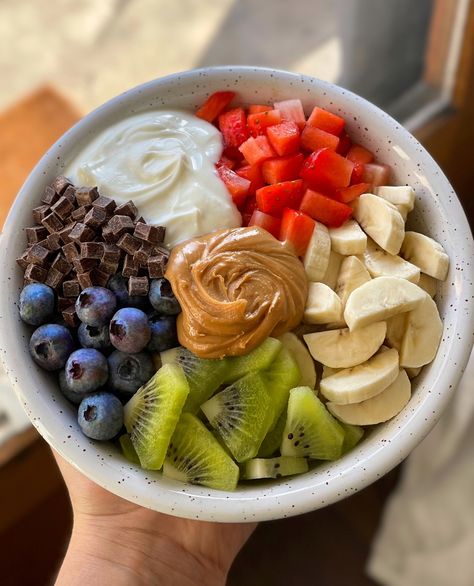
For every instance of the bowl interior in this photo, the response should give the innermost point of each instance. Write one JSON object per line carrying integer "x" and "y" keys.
{"x": 437, "y": 213}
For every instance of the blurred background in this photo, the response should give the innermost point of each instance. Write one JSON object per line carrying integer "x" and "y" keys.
{"x": 59, "y": 59}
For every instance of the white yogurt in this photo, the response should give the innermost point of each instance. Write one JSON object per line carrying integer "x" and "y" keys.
{"x": 164, "y": 162}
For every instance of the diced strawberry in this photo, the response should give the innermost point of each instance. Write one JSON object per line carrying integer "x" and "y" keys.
{"x": 248, "y": 209}
{"x": 232, "y": 152}
{"x": 344, "y": 145}
{"x": 325, "y": 209}
{"x": 267, "y": 222}
{"x": 348, "y": 194}
{"x": 296, "y": 230}
{"x": 282, "y": 169}
{"x": 257, "y": 123}
{"x": 226, "y": 162}
{"x": 273, "y": 198}
{"x": 326, "y": 170}
{"x": 313, "y": 139}
{"x": 237, "y": 186}
{"x": 327, "y": 121}
{"x": 357, "y": 173}
{"x": 215, "y": 104}
{"x": 258, "y": 108}
{"x": 292, "y": 110}
{"x": 233, "y": 125}
{"x": 376, "y": 174}
{"x": 254, "y": 174}
{"x": 359, "y": 154}
{"x": 256, "y": 150}
{"x": 284, "y": 138}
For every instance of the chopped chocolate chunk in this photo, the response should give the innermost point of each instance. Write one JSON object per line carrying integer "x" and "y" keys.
{"x": 95, "y": 217}
{"x": 141, "y": 219}
{"x": 138, "y": 286}
{"x": 63, "y": 303}
{"x": 70, "y": 194}
{"x": 127, "y": 209}
{"x": 162, "y": 250}
{"x": 156, "y": 266}
{"x": 86, "y": 195}
{"x": 80, "y": 213}
{"x": 36, "y": 234}
{"x": 71, "y": 288}
{"x": 35, "y": 274}
{"x": 65, "y": 232}
{"x": 120, "y": 225}
{"x": 99, "y": 278}
{"x": 49, "y": 196}
{"x": 84, "y": 265}
{"x": 108, "y": 236}
{"x": 105, "y": 203}
{"x": 81, "y": 233}
{"x": 60, "y": 184}
{"x": 143, "y": 253}
{"x": 62, "y": 208}
{"x": 153, "y": 234}
{"x": 40, "y": 212}
{"x": 54, "y": 278}
{"x": 52, "y": 223}
{"x": 128, "y": 243}
{"x": 38, "y": 255}
{"x": 70, "y": 251}
{"x": 61, "y": 264}
{"x": 54, "y": 241}
{"x": 92, "y": 250}
{"x": 44, "y": 243}
{"x": 112, "y": 253}
{"x": 22, "y": 260}
{"x": 130, "y": 267}
{"x": 84, "y": 280}
{"x": 109, "y": 267}
{"x": 70, "y": 316}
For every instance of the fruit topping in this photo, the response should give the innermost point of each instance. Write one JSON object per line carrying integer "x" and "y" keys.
{"x": 100, "y": 416}
{"x": 50, "y": 346}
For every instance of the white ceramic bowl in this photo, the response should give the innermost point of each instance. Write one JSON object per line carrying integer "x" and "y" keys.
{"x": 438, "y": 213}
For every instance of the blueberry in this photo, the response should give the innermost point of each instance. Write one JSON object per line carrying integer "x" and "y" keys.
{"x": 128, "y": 372}
{"x": 100, "y": 416}
{"x": 162, "y": 298}
{"x": 36, "y": 304}
{"x": 118, "y": 285}
{"x": 129, "y": 330}
{"x": 50, "y": 346}
{"x": 163, "y": 333}
{"x": 70, "y": 395}
{"x": 94, "y": 336}
{"x": 86, "y": 370}
{"x": 95, "y": 306}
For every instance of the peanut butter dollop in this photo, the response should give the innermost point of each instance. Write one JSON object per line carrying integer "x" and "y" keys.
{"x": 236, "y": 287}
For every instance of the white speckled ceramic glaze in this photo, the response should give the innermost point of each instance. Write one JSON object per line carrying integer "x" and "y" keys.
{"x": 438, "y": 213}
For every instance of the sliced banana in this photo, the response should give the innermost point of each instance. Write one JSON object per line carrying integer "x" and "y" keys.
{"x": 380, "y": 220}
{"x": 425, "y": 253}
{"x": 353, "y": 385}
{"x": 303, "y": 358}
{"x": 348, "y": 239}
{"x": 343, "y": 348}
{"x": 401, "y": 196}
{"x": 352, "y": 274}
{"x": 428, "y": 284}
{"x": 423, "y": 332}
{"x": 328, "y": 371}
{"x": 379, "y": 299}
{"x": 322, "y": 305}
{"x": 332, "y": 271}
{"x": 380, "y": 263}
{"x": 316, "y": 258}
{"x": 396, "y": 327}
{"x": 378, "y": 409}
{"x": 413, "y": 372}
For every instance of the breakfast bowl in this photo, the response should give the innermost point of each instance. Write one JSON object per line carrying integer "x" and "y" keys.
{"x": 437, "y": 213}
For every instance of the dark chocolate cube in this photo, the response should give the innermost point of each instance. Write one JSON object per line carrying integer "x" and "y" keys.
{"x": 54, "y": 278}
{"x": 86, "y": 195}
{"x": 120, "y": 225}
{"x": 84, "y": 265}
{"x": 130, "y": 267}
{"x": 128, "y": 243}
{"x": 38, "y": 255}
{"x": 99, "y": 277}
{"x": 63, "y": 304}
{"x": 149, "y": 233}
{"x": 109, "y": 267}
{"x": 60, "y": 184}
{"x": 81, "y": 233}
{"x": 80, "y": 213}
{"x": 54, "y": 241}
{"x": 85, "y": 280}
{"x": 52, "y": 223}
{"x": 70, "y": 251}
{"x": 138, "y": 286}
{"x": 143, "y": 253}
{"x": 22, "y": 260}
{"x": 92, "y": 250}
{"x": 70, "y": 316}
{"x": 105, "y": 203}
{"x": 49, "y": 196}
{"x": 40, "y": 213}
{"x": 62, "y": 208}
{"x": 112, "y": 253}
{"x": 70, "y": 194}
{"x": 36, "y": 234}
{"x": 71, "y": 288}
{"x": 35, "y": 274}
{"x": 156, "y": 266}
{"x": 127, "y": 209}
{"x": 95, "y": 217}
{"x": 61, "y": 264}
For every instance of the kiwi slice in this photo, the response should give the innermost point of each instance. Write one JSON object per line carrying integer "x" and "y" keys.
{"x": 195, "y": 456}
{"x": 260, "y": 358}
{"x": 310, "y": 429}
{"x": 273, "y": 467}
{"x": 204, "y": 375}
{"x": 128, "y": 450}
{"x": 153, "y": 412}
{"x": 282, "y": 376}
{"x": 272, "y": 442}
{"x": 352, "y": 436}
{"x": 241, "y": 414}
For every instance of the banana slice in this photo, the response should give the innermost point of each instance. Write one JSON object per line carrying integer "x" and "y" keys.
{"x": 413, "y": 372}
{"x": 353, "y": 385}
{"x": 303, "y": 358}
{"x": 348, "y": 239}
{"x": 428, "y": 284}
{"x": 332, "y": 271}
{"x": 328, "y": 371}
{"x": 316, "y": 258}
{"x": 423, "y": 332}
{"x": 322, "y": 305}
{"x": 425, "y": 253}
{"x": 380, "y": 220}
{"x": 380, "y": 408}
{"x": 379, "y": 299}
{"x": 352, "y": 274}
{"x": 396, "y": 328}
{"x": 344, "y": 349}
{"x": 380, "y": 263}
{"x": 401, "y": 196}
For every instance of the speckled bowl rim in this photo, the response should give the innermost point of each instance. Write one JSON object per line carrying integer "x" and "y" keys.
{"x": 379, "y": 453}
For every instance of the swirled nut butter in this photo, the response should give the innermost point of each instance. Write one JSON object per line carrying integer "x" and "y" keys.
{"x": 236, "y": 287}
